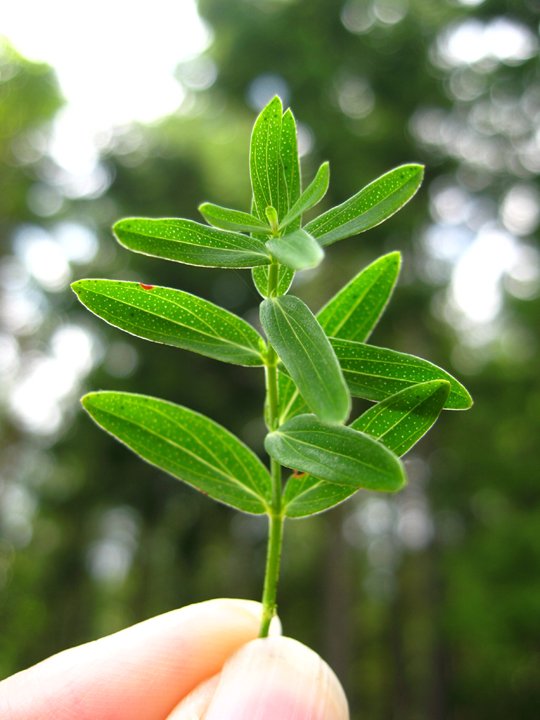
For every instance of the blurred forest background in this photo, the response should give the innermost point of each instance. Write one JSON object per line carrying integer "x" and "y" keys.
{"x": 426, "y": 604}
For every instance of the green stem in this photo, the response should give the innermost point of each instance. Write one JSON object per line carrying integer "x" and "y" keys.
{"x": 273, "y": 558}
{"x": 275, "y": 525}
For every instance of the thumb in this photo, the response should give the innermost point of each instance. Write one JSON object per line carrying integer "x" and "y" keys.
{"x": 271, "y": 678}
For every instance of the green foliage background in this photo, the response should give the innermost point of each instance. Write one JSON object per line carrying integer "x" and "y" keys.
{"x": 427, "y": 605}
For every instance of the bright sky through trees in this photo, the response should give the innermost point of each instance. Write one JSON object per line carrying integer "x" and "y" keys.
{"x": 115, "y": 61}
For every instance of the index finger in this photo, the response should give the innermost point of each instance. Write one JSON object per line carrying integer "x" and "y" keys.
{"x": 139, "y": 673}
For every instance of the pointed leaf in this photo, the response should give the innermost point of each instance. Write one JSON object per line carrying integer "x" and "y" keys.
{"x": 402, "y": 419}
{"x": 189, "y": 242}
{"x": 173, "y": 317}
{"x": 397, "y": 422}
{"x": 272, "y": 216}
{"x": 353, "y": 313}
{"x": 371, "y": 206}
{"x": 289, "y": 179}
{"x": 185, "y": 444}
{"x": 336, "y": 454}
{"x": 307, "y": 355}
{"x": 236, "y": 220}
{"x": 297, "y": 250}
{"x": 290, "y": 402}
{"x": 264, "y": 157}
{"x": 260, "y": 279}
{"x": 306, "y": 495}
{"x": 312, "y": 195}
{"x": 375, "y": 373}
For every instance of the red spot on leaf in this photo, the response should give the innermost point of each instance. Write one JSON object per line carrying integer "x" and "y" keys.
{"x": 146, "y": 287}
{"x": 297, "y": 474}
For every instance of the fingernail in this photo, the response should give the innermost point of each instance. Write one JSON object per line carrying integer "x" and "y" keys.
{"x": 277, "y": 677}
{"x": 254, "y": 610}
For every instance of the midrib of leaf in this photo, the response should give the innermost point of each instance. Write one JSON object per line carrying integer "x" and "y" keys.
{"x": 331, "y": 452}
{"x": 223, "y": 472}
{"x": 378, "y": 412}
{"x": 224, "y": 244}
{"x": 182, "y": 325}
{"x": 412, "y": 365}
{"x": 289, "y": 323}
{"x": 231, "y": 450}
{"x": 336, "y": 220}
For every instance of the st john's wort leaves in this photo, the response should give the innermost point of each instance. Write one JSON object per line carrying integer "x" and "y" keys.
{"x": 289, "y": 163}
{"x": 375, "y": 373}
{"x": 336, "y": 454}
{"x": 264, "y": 158}
{"x": 173, "y": 317}
{"x": 369, "y": 207}
{"x": 402, "y": 419}
{"x": 272, "y": 217}
{"x": 235, "y": 220}
{"x": 312, "y": 195}
{"x": 307, "y": 355}
{"x": 290, "y": 402}
{"x": 185, "y": 444}
{"x": 353, "y": 313}
{"x": 273, "y": 161}
{"x": 306, "y": 495}
{"x": 297, "y": 250}
{"x": 191, "y": 243}
{"x": 260, "y": 279}
{"x": 397, "y": 422}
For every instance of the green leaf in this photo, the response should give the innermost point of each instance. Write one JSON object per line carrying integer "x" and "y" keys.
{"x": 336, "y": 454}
{"x": 371, "y": 206}
{"x": 402, "y": 419}
{"x": 289, "y": 179}
{"x": 189, "y": 242}
{"x": 397, "y": 422}
{"x": 307, "y": 495}
{"x": 264, "y": 158}
{"x": 375, "y": 373}
{"x": 236, "y": 220}
{"x": 187, "y": 445}
{"x": 307, "y": 355}
{"x": 172, "y": 317}
{"x": 290, "y": 402}
{"x": 313, "y": 194}
{"x": 272, "y": 217}
{"x": 353, "y": 313}
{"x": 297, "y": 250}
{"x": 260, "y": 279}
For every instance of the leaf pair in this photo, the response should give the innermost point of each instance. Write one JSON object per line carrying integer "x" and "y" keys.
{"x": 395, "y": 424}
{"x": 203, "y": 454}
{"x": 370, "y": 372}
{"x": 275, "y": 180}
{"x": 412, "y": 392}
{"x": 353, "y": 314}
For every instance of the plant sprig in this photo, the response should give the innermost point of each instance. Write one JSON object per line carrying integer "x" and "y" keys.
{"x": 313, "y": 364}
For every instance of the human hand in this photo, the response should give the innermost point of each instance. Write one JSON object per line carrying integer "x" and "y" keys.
{"x": 199, "y": 662}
